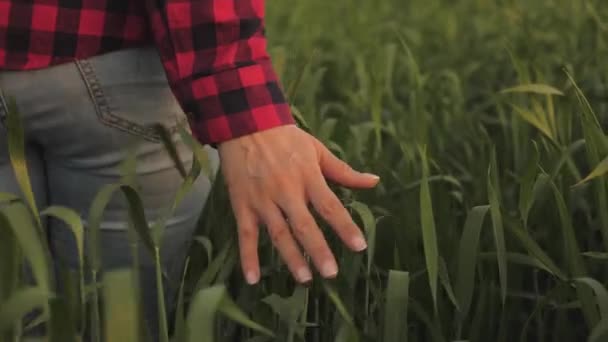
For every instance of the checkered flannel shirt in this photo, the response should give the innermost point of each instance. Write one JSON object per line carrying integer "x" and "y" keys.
{"x": 213, "y": 51}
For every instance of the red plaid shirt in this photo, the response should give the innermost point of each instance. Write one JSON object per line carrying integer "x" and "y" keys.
{"x": 213, "y": 51}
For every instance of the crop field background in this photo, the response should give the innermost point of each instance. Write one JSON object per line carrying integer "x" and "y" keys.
{"x": 486, "y": 121}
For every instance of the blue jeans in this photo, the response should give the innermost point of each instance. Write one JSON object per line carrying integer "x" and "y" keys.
{"x": 80, "y": 118}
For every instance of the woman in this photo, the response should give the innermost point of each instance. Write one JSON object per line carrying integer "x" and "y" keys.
{"x": 90, "y": 76}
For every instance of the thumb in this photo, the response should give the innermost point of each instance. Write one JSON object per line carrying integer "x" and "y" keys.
{"x": 340, "y": 172}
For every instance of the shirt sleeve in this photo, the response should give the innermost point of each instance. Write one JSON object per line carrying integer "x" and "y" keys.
{"x": 215, "y": 56}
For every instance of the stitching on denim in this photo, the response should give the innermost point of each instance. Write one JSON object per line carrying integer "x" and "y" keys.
{"x": 104, "y": 111}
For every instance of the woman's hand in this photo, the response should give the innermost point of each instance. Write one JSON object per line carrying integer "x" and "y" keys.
{"x": 272, "y": 176}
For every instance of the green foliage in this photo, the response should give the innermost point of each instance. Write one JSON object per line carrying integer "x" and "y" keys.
{"x": 485, "y": 120}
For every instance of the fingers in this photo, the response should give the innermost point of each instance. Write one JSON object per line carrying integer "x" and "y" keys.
{"x": 327, "y": 204}
{"x": 281, "y": 237}
{"x": 340, "y": 172}
{"x": 284, "y": 242}
{"x": 248, "y": 244}
{"x": 311, "y": 238}
{"x": 269, "y": 174}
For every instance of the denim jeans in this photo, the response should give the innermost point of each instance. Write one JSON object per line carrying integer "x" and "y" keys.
{"x": 80, "y": 119}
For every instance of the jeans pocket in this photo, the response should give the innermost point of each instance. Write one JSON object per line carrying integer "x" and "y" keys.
{"x": 131, "y": 93}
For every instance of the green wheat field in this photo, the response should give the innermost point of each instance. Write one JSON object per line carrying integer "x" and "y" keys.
{"x": 485, "y": 119}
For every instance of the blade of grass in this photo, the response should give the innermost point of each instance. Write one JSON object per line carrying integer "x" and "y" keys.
{"x": 497, "y": 225}
{"x": 63, "y": 324}
{"x": 6, "y": 197}
{"x": 158, "y": 228}
{"x": 444, "y": 277}
{"x": 600, "y": 170}
{"x": 518, "y": 259}
{"x": 180, "y": 318}
{"x": 137, "y": 225}
{"x": 74, "y": 222}
{"x": 289, "y": 310}
{"x": 539, "y": 188}
{"x": 599, "y": 332}
{"x": 16, "y": 147}
{"x": 229, "y": 309}
{"x": 200, "y": 155}
{"x": 10, "y": 269}
{"x": 601, "y": 294}
{"x": 20, "y": 303}
{"x": 429, "y": 235}
{"x": 10, "y": 262}
{"x": 207, "y": 246}
{"x": 369, "y": 226}
{"x": 138, "y": 217}
{"x": 596, "y": 255}
{"x": 534, "y": 249}
{"x": 536, "y": 88}
{"x": 346, "y": 333}
{"x": 567, "y": 159}
{"x": 160, "y": 297}
{"x": 395, "y": 312}
{"x": 467, "y": 258}
{"x": 203, "y": 311}
{"x": 574, "y": 259}
{"x": 96, "y": 211}
{"x": 433, "y": 330}
{"x": 535, "y": 120}
{"x": 596, "y": 144}
{"x": 120, "y": 309}
{"x": 479, "y": 316}
{"x": 133, "y": 238}
{"x": 549, "y": 296}
{"x": 140, "y": 224}
{"x": 525, "y": 191}
{"x": 334, "y": 296}
{"x": 206, "y": 279}
{"x": 18, "y": 218}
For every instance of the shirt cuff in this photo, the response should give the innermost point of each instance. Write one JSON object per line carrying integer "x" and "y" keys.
{"x": 235, "y": 102}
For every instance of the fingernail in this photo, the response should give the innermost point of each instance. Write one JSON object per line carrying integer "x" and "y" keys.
{"x": 251, "y": 277}
{"x": 304, "y": 275}
{"x": 359, "y": 243}
{"x": 372, "y": 176}
{"x": 329, "y": 269}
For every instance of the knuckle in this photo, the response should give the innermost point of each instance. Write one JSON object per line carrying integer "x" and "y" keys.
{"x": 278, "y": 234}
{"x": 279, "y": 176}
{"x": 294, "y": 159}
{"x": 310, "y": 171}
{"x": 262, "y": 202}
{"x": 282, "y": 183}
{"x": 329, "y": 208}
{"x": 303, "y": 229}
{"x": 288, "y": 194}
{"x": 247, "y": 233}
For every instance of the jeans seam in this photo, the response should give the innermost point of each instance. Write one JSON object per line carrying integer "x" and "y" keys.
{"x": 3, "y": 110}
{"x": 104, "y": 111}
